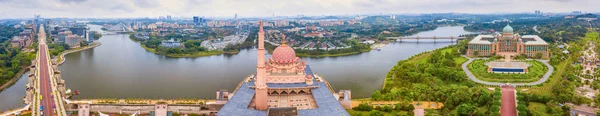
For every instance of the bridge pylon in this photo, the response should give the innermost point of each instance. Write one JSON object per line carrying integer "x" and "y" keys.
{"x": 417, "y": 39}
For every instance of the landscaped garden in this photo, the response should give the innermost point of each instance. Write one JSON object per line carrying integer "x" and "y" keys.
{"x": 480, "y": 70}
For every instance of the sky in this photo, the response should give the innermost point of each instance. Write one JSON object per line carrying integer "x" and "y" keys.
{"x": 267, "y": 8}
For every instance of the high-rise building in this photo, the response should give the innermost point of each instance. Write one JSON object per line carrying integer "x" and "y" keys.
{"x": 538, "y": 12}
{"x": 79, "y": 30}
{"x": 169, "y": 17}
{"x": 196, "y": 20}
{"x": 62, "y": 36}
{"x": 235, "y": 16}
{"x": 282, "y": 23}
{"x": 73, "y": 41}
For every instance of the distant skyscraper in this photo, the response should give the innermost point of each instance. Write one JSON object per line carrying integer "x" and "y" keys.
{"x": 196, "y": 19}
{"x": 235, "y": 16}
{"x": 79, "y": 31}
{"x": 168, "y": 17}
{"x": 538, "y": 12}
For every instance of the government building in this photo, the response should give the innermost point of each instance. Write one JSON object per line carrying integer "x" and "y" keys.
{"x": 508, "y": 43}
{"x": 283, "y": 85}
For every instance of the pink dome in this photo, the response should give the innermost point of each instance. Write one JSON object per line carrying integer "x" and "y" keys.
{"x": 284, "y": 54}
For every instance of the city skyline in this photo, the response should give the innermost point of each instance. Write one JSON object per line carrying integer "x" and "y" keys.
{"x": 266, "y": 8}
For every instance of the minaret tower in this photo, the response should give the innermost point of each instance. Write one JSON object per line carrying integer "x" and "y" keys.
{"x": 260, "y": 96}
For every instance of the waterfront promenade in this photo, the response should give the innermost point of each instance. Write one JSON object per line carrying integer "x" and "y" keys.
{"x": 61, "y": 58}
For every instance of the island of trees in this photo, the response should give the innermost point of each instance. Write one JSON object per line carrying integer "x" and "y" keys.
{"x": 191, "y": 46}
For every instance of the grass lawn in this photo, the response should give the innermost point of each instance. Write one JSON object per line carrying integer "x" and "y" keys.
{"x": 482, "y": 109}
{"x": 366, "y": 113}
{"x": 433, "y": 112}
{"x": 591, "y": 36}
{"x": 555, "y": 78}
{"x": 536, "y": 71}
{"x": 537, "y": 109}
{"x": 460, "y": 60}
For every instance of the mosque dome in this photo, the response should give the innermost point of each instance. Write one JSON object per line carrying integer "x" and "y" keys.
{"x": 284, "y": 54}
{"x": 507, "y": 29}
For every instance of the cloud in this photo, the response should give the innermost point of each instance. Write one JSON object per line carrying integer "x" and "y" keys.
{"x": 246, "y": 8}
{"x": 72, "y": 1}
{"x": 146, "y": 3}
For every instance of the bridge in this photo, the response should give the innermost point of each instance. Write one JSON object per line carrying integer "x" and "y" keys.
{"x": 434, "y": 38}
{"x": 46, "y": 98}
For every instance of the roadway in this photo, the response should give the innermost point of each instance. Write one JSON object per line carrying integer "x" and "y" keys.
{"x": 47, "y": 88}
{"x": 472, "y": 77}
{"x": 45, "y": 85}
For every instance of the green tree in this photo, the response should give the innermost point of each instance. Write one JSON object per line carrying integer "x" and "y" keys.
{"x": 375, "y": 113}
{"x": 363, "y": 107}
{"x": 376, "y": 95}
{"x": 387, "y": 108}
{"x": 466, "y": 109}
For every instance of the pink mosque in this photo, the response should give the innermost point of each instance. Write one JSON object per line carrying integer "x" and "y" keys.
{"x": 284, "y": 85}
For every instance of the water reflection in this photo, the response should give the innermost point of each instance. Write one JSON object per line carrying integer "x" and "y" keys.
{"x": 121, "y": 68}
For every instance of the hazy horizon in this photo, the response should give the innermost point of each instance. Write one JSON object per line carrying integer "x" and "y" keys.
{"x": 17, "y": 9}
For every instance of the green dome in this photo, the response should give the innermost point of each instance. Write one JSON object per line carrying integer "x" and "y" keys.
{"x": 507, "y": 29}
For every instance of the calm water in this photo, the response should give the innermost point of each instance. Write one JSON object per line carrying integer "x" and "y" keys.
{"x": 121, "y": 68}
{"x": 12, "y": 97}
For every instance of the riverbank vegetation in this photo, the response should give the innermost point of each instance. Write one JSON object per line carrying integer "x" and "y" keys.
{"x": 191, "y": 47}
{"x": 12, "y": 60}
{"x": 536, "y": 70}
{"x": 355, "y": 48}
{"x": 420, "y": 78}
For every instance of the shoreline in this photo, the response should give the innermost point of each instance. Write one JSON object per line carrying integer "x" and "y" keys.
{"x": 198, "y": 54}
{"x": 61, "y": 58}
{"x": 329, "y": 55}
{"x": 374, "y": 47}
{"x": 214, "y": 53}
{"x": 418, "y": 55}
{"x": 14, "y": 80}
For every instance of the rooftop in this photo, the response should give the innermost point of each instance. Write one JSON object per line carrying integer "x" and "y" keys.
{"x": 326, "y": 102}
{"x": 287, "y": 111}
{"x": 482, "y": 39}
{"x": 536, "y": 40}
{"x": 527, "y": 40}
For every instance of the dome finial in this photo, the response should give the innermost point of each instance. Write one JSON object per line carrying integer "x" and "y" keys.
{"x": 260, "y": 26}
{"x": 283, "y": 40}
